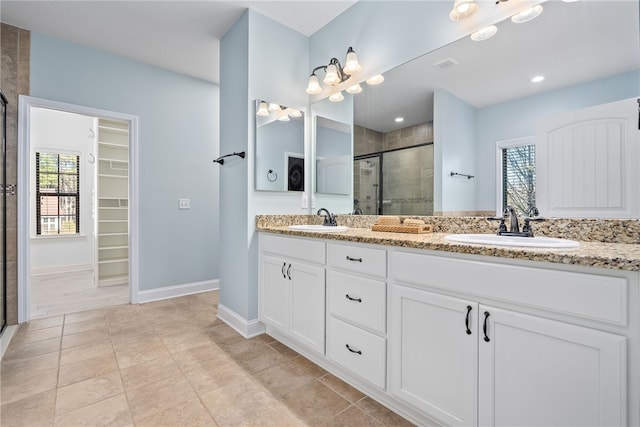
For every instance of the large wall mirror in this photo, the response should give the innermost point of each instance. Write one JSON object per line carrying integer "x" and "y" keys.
{"x": 279, "y": 135}
{"x": 425, "y": 141}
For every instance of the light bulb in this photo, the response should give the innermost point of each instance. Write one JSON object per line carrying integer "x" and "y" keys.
{"x": 336, "y": 97}
{"x": 527, "y": 15}
{"x": 351, "y": 63}
{"x": 375, "y": 80}
{"x": 274, "y": 107}
{"x": 484, "y": 34}
{"x": 331, "y": 78}
{"x": 313, "y": 88}
{"x": 356, "y": 88}
{"x": 262, "y": 110}
{"x": 463, "y": 9}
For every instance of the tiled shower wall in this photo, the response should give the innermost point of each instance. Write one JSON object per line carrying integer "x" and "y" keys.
{"x": 14, "y": 81}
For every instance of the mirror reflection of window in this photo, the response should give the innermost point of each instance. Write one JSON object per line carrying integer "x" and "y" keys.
{"x": 334, "y": 156}
{"x": 517, "y": 175}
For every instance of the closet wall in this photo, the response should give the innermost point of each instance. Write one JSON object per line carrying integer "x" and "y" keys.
{"x": 14, "y": 81}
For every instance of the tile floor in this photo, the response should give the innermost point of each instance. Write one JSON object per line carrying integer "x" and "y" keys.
{"x": 168, "y": 363}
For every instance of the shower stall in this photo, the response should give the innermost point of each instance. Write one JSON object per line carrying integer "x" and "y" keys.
{"x": 394, "y": 182}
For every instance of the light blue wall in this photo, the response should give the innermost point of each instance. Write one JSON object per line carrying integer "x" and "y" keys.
{"x": 260, "y": 59}
{"x": 517, "y": 119}
{"x": 178, "y": 138}
{"x": 454, "y": 136}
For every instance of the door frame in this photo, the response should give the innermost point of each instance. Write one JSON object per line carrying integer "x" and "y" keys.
{"x": 24, "y": 184}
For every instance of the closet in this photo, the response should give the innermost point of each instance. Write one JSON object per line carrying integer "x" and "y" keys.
{"x": 112, "y": 203}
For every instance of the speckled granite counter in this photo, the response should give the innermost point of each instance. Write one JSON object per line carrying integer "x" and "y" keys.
{"x": 619, "y": 256}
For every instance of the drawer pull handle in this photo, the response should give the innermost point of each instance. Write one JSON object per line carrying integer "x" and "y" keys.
{"x": 353, "y": 259}
{"x": 484, "y": 326}
{"x": 466, "y": 321}
{"x": 353, "y": 299}
{"x": 282, "y": 269}
{"x": 352, "y": 350}
{"x": 289, "y": 272}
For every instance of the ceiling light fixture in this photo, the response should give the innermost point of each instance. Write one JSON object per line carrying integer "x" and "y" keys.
{"x": 527, "y": 15}
{"x": 356, "y": 88}
{"x": 399, "y": 119}
{"x": 463, "y": 9}
{"x": 279, "y": 112}
{"x": 335, "y": 73}
{"x": 484, "y": 33}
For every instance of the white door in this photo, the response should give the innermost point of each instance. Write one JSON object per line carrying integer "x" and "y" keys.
{"x": 307, "y": 322}
{"x": 588, "y": 162}
{"x": 274, "y": 295}
{"x": 538, "y": 372}
{"x": 434, "y": 349}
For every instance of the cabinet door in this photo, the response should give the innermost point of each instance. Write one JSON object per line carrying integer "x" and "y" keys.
{"x": 274, "y": 295}
{"x": 535, "y": 371}
{"x": 434, "y": 354}
{"x": 307, "y": 321}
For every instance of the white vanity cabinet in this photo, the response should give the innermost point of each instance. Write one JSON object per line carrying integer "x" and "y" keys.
{"x": 292, "y": 288}
{"x": 356, "y": 310}
{"x": 468, "y": 363}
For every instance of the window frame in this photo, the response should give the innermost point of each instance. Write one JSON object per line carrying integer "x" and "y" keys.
{"x": 75, "y": 195}
{"x": 502, "y": 145}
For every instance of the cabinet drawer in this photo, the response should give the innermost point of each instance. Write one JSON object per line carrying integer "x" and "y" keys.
{"x": 591, "y": 296}
{"x": 357, "y": 350}
{"x": 290, "y": 247}
{"x": 355, "y": 258}
{"x": 357, "y": 299}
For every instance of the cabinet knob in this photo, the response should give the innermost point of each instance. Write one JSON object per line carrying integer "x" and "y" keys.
{"x": 352, "y": 350}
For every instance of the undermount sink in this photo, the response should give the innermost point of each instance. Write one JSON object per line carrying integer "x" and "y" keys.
{"x": 319, "y": 228}
{"x": 512, "y": 241}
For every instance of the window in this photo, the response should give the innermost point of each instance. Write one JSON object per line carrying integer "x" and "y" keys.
{"x": 57, "y": 194}
{"x": 518, "y": 175}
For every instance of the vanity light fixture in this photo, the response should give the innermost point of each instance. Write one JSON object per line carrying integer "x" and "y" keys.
{"x": 356, "y": 88}
{"x": 263, "y": 110}
{"x": 335, "y": 73}
{"x": 336, "y": 97}
{"x": 463, "y": 9}
{"x": 527, "y": 15}
{"x": 484, "y": 33}
{"x": 278, "y": 111}
{"x": 375, "y": 80}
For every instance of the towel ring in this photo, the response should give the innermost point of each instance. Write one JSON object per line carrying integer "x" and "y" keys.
{"x": 272, "y": 176}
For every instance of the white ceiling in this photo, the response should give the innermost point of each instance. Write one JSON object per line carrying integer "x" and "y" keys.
{"x": 569, "y": 43}
{"x": 178, "y": 35}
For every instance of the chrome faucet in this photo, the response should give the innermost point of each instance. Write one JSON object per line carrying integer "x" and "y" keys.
{"x": 329, "y": 219}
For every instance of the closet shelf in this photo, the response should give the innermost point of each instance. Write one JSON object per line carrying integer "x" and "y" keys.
{"x": 113, "y": 144}
{"x": 107, "y": 248}
{"x": 112, "y": 261}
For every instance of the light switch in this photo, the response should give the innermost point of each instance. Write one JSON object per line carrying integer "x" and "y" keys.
{"x": 305, "y": 201}
{"x": 184, "y": 203}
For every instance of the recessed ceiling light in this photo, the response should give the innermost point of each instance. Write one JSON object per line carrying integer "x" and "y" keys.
{"x": 484, "y": 34}
{"x": 537, "y": 79}
{"x": 399, "y": 119}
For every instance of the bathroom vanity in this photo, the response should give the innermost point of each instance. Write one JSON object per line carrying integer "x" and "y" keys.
{"x": 461, "y": 334}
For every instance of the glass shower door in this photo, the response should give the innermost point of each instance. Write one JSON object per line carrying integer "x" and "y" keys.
{"x": 366, "y": 186}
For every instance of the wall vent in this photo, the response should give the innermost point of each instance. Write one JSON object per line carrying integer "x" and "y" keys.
{"x": 446, "y": 63}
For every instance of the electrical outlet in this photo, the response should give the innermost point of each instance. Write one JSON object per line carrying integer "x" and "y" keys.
{"x": 184, "y": 203}
{"x": 305, "y": 201}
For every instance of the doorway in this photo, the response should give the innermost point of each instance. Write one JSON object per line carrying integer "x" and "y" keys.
{"x": 77, "y": 224}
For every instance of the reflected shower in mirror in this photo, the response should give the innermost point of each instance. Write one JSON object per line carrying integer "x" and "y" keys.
{"x": 333, "y": 156}
{"x": 279, "y": 134}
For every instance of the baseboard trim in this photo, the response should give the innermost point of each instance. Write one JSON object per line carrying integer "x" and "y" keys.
{"x": 73, "y": 268}
{"x": 246, "y": 328}
{"x": 5, "y": 338}
{"x": 177, "y": 291}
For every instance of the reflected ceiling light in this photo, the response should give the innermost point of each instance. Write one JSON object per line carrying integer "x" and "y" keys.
{"x": 284, "y": 118}
{"x": 263, "y": 110}
{"x": 375, "y": 80}
{"x": 399, "y": 119}
{"x": 274, "y": 107}
{"x": 335, "y": 73}
{"x": 527, "y": 15}
{"x": 463, "y": 9}
{"x": 292, "y": 112}
{"x": 537, "y": 79}
{"x": 336, "y": 97}
{"x": 485, "y": 33}
{"x": 354, "y": 89}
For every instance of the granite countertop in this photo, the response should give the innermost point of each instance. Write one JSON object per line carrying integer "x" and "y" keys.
{"x": 618, "y": 256}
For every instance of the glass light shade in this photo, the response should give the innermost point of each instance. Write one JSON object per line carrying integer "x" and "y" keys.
{"x": 351, "y": 64}
{"x": 284, "y": 118}
{"x": 313, "y": 87}
{"x": 336, "y": 97}
{"x": 263, "y": 110}
{"x": 274, "y": 107}
{"x": 527, "y": 15}
{"x": 485, "y": 33}
{"x": 331, "y": 78}
{"x": 375, "y": 80}
{"x": 463, "y": 9}
{"x": 292, "y": 112}
{"x": 356, "y": 88}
